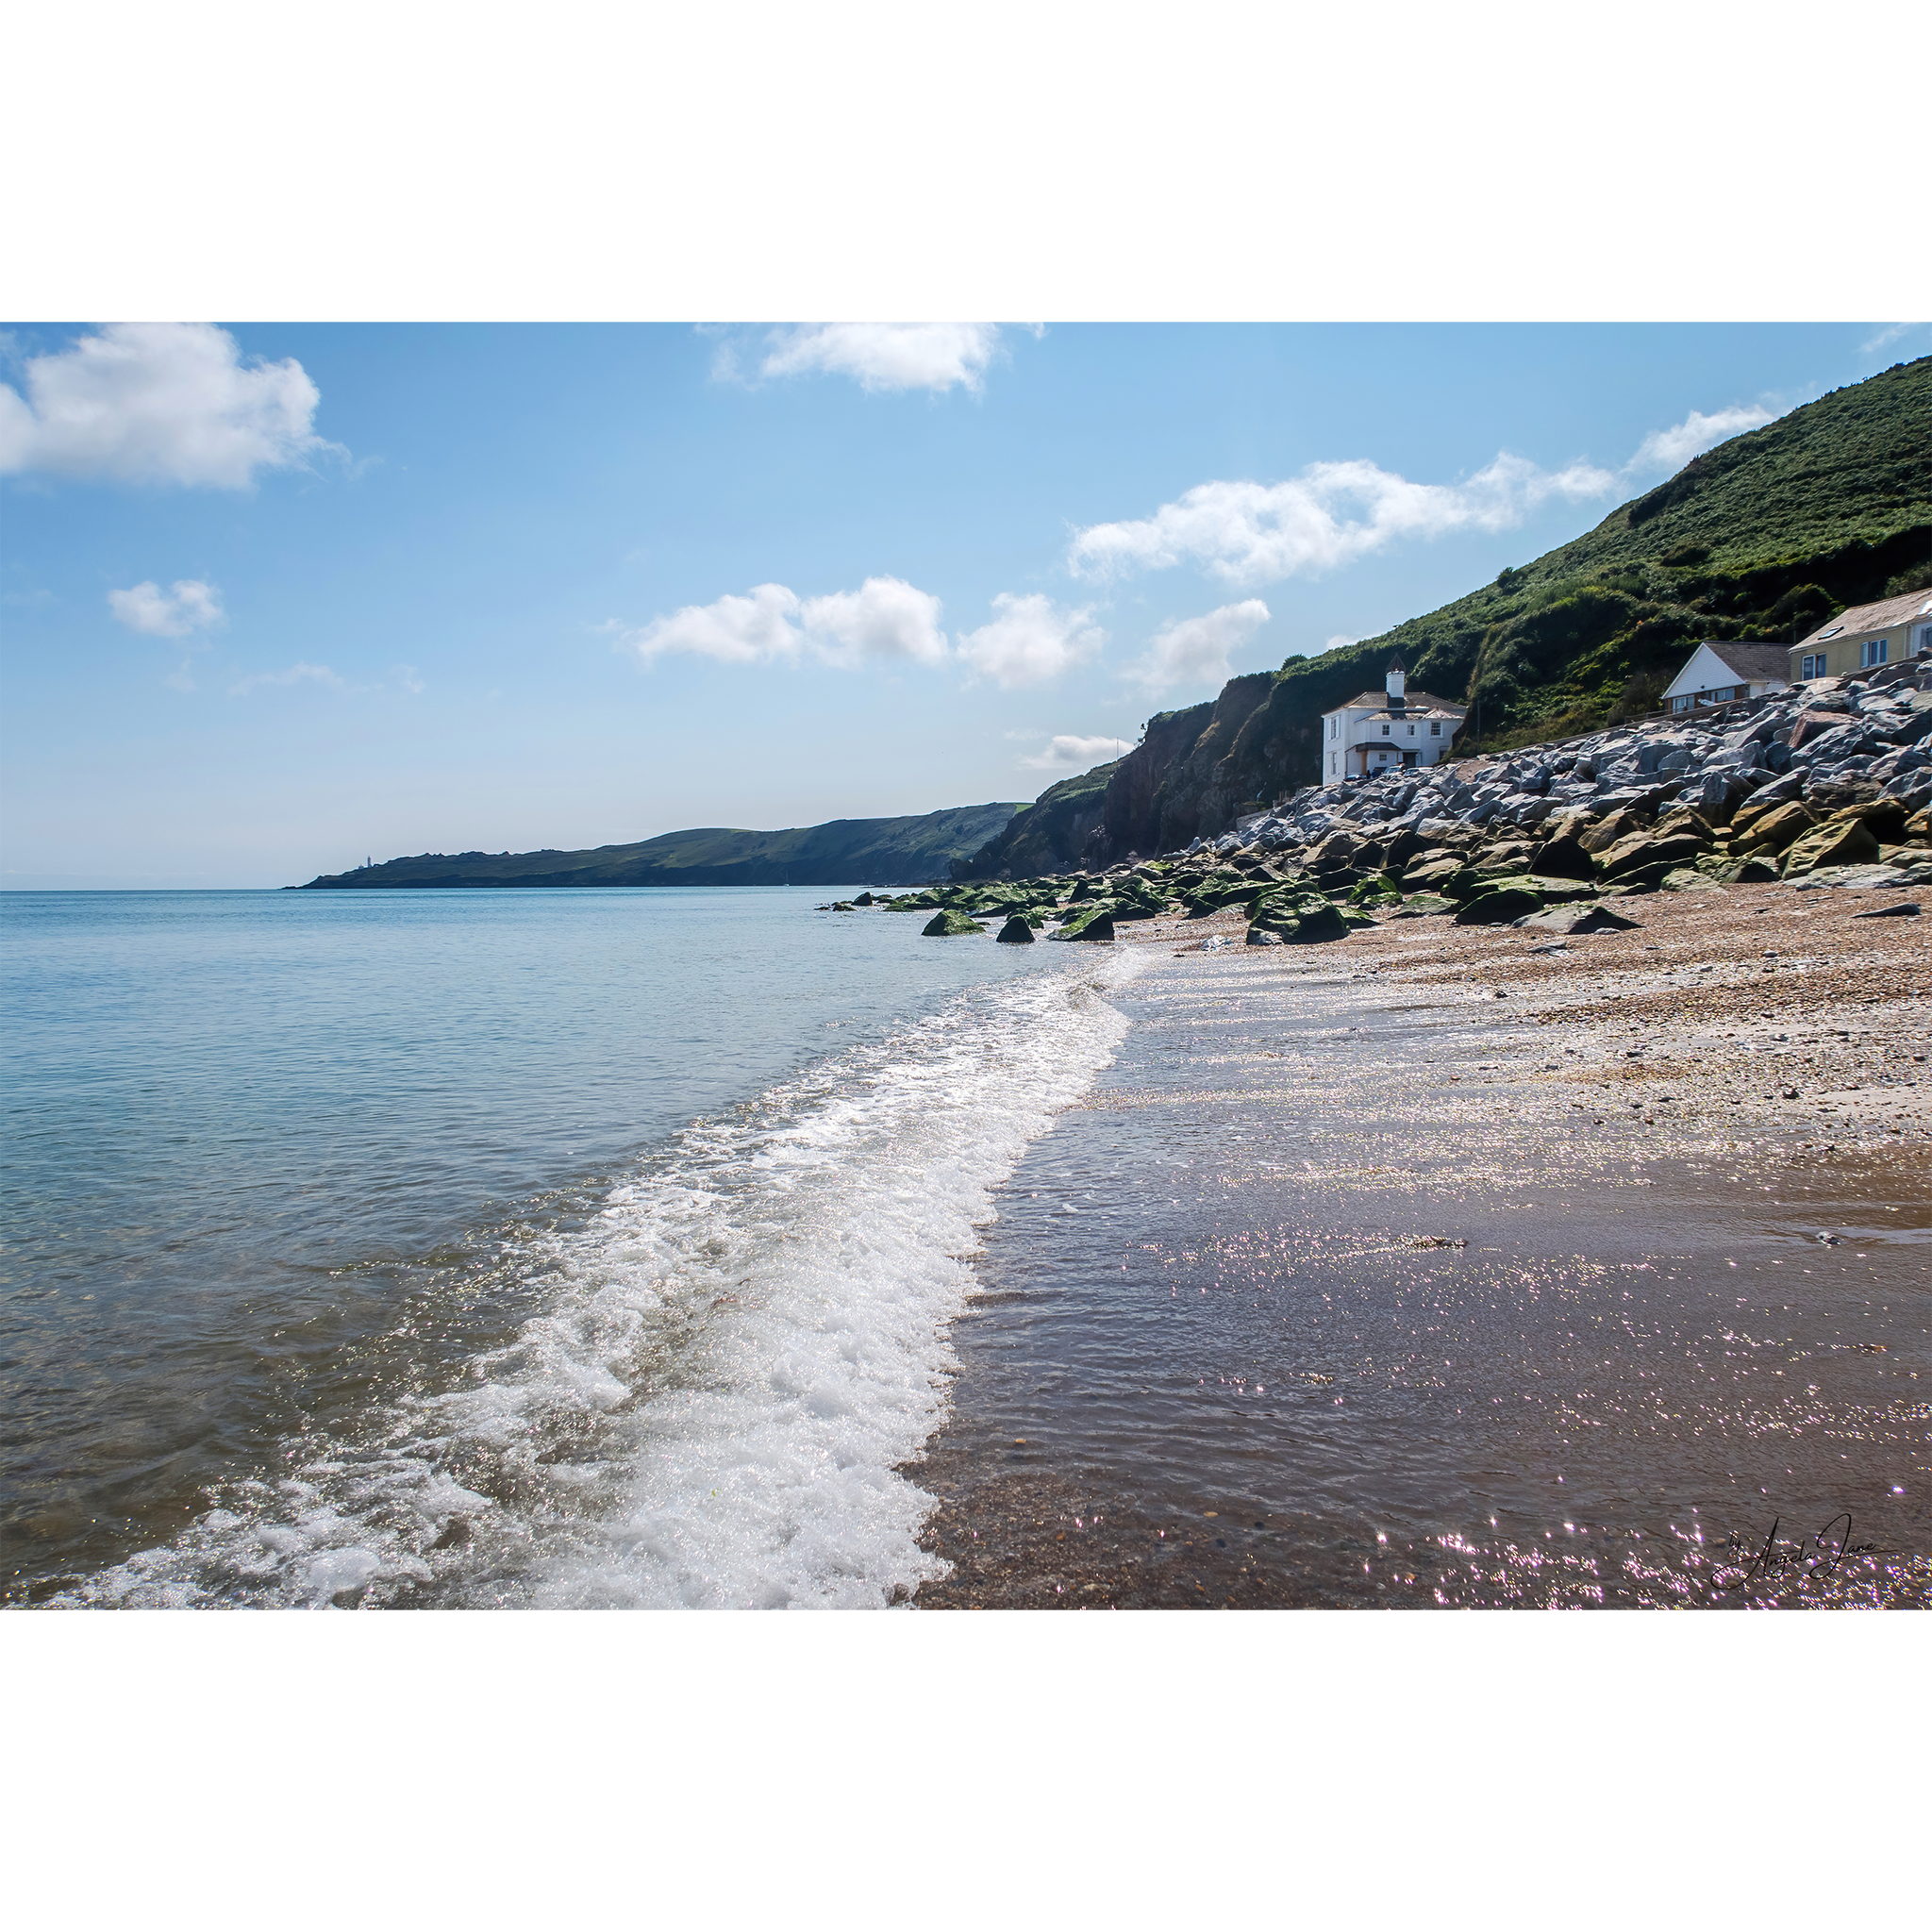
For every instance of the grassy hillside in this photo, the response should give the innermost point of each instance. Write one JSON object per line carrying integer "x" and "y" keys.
{"x": 847, "y": 852}
{"x": 1757, "y": 541}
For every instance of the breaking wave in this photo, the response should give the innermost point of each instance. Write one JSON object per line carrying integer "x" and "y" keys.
{"x": 738, "y": 1352}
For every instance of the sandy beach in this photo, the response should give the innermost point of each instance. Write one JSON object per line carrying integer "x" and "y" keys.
{"x": 1463, "y": 1264}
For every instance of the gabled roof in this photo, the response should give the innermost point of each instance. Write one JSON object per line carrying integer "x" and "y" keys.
{"x": 1753, "y": 663}
{"x": 1861, "y": 618}
{"x": 1416, "y": 701}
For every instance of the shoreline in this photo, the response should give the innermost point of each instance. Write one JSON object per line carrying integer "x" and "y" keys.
{"x": 1748, "y": 1056}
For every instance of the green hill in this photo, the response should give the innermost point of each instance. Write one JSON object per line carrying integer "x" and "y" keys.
{"x": 847, "y": 852}
{"x": 1758, "y": 539}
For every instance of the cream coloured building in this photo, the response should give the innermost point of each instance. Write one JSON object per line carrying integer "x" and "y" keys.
{"x": 1867, "y": 637}
{"x": 1385, "y": 730}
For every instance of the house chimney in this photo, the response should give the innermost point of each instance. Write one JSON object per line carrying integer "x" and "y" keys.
{"x": 1396, "y": 681}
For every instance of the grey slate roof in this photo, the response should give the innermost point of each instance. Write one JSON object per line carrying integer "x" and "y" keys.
{"x": 1418, "y": 702}
{"x": 1754, "y": 663}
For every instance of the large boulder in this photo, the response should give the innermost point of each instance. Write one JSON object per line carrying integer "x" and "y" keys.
{"x": 1838, "y": 841}
{"x": 1562, "y": 858}
{"x": 1333, "y": 853}
{"x": 1432, "y": 873}
{"x": 1423, "y": 906}
{"x": 1096, "y": 925}
{"x": 1501, "y": 907}
{"x": 1315, "y": 927}
{"x": 1607, "y": 831}
{"x": 949, "y": 926}
{"x": 1578, "y": 919}
{"x": 1644, "y": 852}
{"x": 1771, "y": 831}
{"x": 1016, "y": 932}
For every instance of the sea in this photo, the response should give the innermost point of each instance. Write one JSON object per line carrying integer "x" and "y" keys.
{"x": 573, "y": 1248}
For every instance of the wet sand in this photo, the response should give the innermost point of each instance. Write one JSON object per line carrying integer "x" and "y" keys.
{"x": 1433, "y": 1267}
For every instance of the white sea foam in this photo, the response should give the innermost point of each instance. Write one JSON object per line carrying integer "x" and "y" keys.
{"x": 738, "y": 1354}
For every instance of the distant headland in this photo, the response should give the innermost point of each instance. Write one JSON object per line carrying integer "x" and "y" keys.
{"x": 846, "y": 852}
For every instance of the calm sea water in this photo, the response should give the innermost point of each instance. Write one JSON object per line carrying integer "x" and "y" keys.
{"x": 518, "y": 1247}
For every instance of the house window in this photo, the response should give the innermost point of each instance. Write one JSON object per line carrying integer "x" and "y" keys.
{"x": 1723, "y": 696}
{"x": 1385, "y": 731}
{"x": 1411, "y": 730}
{"x": 1925, "y": 638}
{"x": 1873, "y": 653}
{"x": 1810, "y": 667}
{"x": 1436, "y": 731}
{"x": 1331, "y": 764}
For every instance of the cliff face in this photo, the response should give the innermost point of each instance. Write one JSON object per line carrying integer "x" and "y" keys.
{"x": 1757, "y": 541}
{"x": 1049, "y": 835}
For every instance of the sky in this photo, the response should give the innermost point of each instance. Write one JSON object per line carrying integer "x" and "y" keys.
{"x": 276, "y": 598}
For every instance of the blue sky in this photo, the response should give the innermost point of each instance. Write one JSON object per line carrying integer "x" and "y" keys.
{"x": 276, "y": 597}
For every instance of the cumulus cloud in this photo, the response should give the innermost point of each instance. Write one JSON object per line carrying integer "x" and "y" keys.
{"x": 880, "y": 355}
{"x": 1194, "y": 650}
{"x": 157, "y": 401}
{"x": 189, "y": 606}
{"x": 1069, "y": 752}
{"x": 885, "y": 619}
{"x": 1030, "y": 641}
{"x": 1666, "y": 451}
{"x": 1331, "y": 514}
{"x": 1249, "y": 534}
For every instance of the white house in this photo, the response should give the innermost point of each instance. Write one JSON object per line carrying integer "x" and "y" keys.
{"x": 1380, "y": 730}
{"x": 1715, "y": 673}
{"x": 1865, "y": 639}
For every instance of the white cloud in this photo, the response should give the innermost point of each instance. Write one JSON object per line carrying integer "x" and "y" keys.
{"x": 1667, "y": 451}
{"x": 880, "y": 355}
{"x": 189, "y": 606}
{"x": 885, "y": 618}
{"x": 1030, "y": 641}
{"x": 1331, "y": 514}
{"x": 1889, "y": 335}
{"x": 1338, "y": 641}
{"x": 734, "y": 630}
{"x": 296, "y": 674}
{"x": 157, "y": 401}
{"x": 1078, "y": 752}
{"x": 1194, "y": 650}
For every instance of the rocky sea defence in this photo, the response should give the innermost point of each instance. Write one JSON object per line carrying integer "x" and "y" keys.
{"x": 1824, "y": 785}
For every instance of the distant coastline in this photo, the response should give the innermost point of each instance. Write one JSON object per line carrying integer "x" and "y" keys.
{"x": 845, "y": 852}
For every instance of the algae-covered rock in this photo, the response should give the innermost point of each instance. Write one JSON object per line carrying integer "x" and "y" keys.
{"x": 1081, "y": 917}
{"x": 949, "y": 924}
{"x": 1500, "y": 908}
{"x": 1316, "y": 927}
{"x": 1423, "y": 906}
{"x": 1016, "y": 932}
{"x": 1098, "y": 925}
{"x": 1688, "y": 879}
